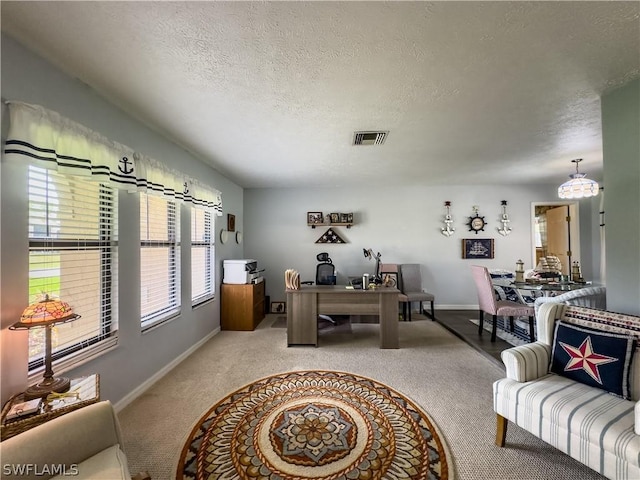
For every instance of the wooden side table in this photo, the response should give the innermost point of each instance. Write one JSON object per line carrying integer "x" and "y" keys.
{"x": 88, "y": 389}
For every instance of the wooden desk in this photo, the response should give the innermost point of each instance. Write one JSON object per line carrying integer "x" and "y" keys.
{"x": 304, "y": 306}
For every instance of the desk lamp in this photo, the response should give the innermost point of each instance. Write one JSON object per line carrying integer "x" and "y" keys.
{"x": 369, "y": 255}
{"x": 45, "y": 314}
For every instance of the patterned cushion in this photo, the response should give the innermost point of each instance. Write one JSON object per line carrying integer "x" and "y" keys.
{"x": 593, "y": 357}
{"x": 610, "y": 322}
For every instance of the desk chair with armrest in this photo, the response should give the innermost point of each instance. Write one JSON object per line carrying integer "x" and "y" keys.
{"x": 325, "y": 275}
{"x": 325, "y": 271}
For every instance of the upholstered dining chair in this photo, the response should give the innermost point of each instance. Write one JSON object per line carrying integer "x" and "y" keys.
{"x": 488, "y": 303}
{"x": 411, "y": 286}
{"x": 510, "y": 293}
{"x": 391, "y": 270}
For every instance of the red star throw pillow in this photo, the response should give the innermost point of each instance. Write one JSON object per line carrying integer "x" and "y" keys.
{"x": 593, "y": 357}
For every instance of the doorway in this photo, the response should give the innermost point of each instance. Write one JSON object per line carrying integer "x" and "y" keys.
{"x": 556, "y": 232}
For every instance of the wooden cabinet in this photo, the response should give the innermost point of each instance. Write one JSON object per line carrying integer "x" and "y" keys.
{"x": 242, "y": 306}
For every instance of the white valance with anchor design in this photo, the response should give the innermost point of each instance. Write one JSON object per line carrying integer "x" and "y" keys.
{"x": 47, "y": 139}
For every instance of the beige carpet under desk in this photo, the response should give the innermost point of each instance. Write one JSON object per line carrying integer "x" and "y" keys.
{"x": 450, "y": 380}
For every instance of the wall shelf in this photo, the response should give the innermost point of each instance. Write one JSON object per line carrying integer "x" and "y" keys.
{"x": 334, "y": 219}
{"x": 330, "y": 224}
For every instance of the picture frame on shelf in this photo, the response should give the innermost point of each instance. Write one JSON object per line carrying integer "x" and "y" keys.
{"x": 278, "y": 307}
{"x": 344, "y": 218}
{"x": 335, "y": 218}
{"x": 389, "y": 279}
{"x": 231, "y": 222}
{"x": 477, "y": 248}
{"x": 314, "y": 218}
{"x": 350, "y": 217}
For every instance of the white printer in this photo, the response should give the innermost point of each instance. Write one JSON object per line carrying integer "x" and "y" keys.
{"x": 241, "y": 271}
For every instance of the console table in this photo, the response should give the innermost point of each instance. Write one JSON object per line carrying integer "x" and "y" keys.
{"x": 87, "y": 388}
{"x": 304, "y": 306}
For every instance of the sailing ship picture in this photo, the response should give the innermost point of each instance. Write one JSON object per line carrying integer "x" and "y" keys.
{"x": 477, "y": 248}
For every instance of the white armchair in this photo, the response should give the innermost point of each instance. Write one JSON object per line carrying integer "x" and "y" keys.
{"x": 84, "y": 443}
{"x": 593, "y": 297}
{"x": 595, "y": 427}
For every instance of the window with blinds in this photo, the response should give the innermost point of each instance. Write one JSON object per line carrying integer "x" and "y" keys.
{"x": 159, "y": 259}
{"x": 202, "y": 254}
{"x": 73, "y": 255}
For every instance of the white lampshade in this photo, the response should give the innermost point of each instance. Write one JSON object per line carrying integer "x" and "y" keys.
{"x": 579, "y": 186}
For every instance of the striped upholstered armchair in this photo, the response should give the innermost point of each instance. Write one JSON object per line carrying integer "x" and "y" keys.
{"x": 577, "y": 387}
{"x": 593, "y": 297}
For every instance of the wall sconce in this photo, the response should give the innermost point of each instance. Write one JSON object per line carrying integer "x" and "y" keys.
{"x": 504, "y": 219}
{"x": 447, "y": 230}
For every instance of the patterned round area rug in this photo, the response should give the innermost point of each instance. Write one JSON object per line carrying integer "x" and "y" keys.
{"x": 315, "y": 425}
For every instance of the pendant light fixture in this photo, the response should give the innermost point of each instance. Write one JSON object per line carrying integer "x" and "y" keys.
{"x": 579, "y": 186}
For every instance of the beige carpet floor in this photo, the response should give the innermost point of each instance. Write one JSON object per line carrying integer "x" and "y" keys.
{"x": 450, "y": 380}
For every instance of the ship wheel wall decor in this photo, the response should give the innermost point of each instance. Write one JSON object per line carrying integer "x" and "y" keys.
{"x": 476, "y": 223}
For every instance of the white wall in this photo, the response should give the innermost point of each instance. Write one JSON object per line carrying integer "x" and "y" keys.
{"x": 403, "y": 224}
{"x": 138, "y": 357}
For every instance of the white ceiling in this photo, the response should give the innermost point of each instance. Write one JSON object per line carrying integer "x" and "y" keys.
{"x": 270, "y": 93}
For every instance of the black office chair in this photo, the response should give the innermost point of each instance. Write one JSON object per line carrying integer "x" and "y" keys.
{"x": 325, "y": 270}
{"x": 325, "y": 275}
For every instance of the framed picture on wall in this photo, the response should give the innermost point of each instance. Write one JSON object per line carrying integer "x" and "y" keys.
{"x": 477, "y": 248}
{"x": 231, "y": 222}
{"x": 314, "y": 217}
{"x": 278, "y": 307}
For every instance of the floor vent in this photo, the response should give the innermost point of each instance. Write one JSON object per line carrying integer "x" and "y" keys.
{"x": 369, "y": 138}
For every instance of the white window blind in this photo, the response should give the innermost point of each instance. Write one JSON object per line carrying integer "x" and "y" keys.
{"x": 159, "y": 259}
{"x": 72, "y": 255}
{"x": 202, "y": 255}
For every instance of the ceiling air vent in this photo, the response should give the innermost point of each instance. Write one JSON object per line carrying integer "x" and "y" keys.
{"x": 369, "y": 138}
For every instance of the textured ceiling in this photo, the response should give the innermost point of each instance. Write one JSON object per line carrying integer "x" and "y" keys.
{"x": 270, "y": 93}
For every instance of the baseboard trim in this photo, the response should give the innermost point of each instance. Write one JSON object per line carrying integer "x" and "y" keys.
{"x": 455, "y": 307}
{"x": 143, "y": 387}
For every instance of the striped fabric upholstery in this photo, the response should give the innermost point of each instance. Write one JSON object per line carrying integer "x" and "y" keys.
{"x": 527, "y": 362}
{"x": 597, "y": 428}
{"x": 587, "y": 423}
{"x": 593, "y": 297}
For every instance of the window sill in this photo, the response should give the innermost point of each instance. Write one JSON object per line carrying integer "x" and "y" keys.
{"x": 158, "y": 323}
{"x": 76, "y": 359}
{"x": 202, "y": 303}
